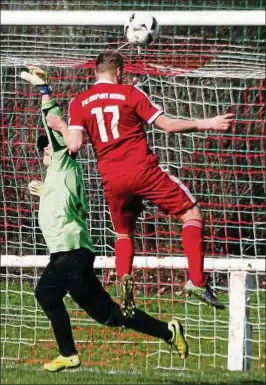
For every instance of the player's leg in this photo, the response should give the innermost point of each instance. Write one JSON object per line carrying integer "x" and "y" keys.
{"x": 172, "y": 332}
{"x": 193, "y": 244}
{"x": 124, "y": 222}
{"x": 49, "y": 293}
{"x": 88, "y": 292}
{"x": 125, "y": 210}
{"x": 86, "y": 289}
{"x": 173, "y": 197}
{"x": 124, "y": 253}
{"x": 106, "y": 311}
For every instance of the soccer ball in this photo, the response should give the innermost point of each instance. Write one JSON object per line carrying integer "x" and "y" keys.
{"x": 141, "y": 28}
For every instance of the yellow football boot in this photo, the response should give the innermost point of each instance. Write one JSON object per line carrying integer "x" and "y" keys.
{"x": 62, "y": 362}
{"x": 178, "y": 341}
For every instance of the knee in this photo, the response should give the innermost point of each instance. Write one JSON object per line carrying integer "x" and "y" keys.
{"x": 45, "y": 299}
{"x": 192, "y": 214}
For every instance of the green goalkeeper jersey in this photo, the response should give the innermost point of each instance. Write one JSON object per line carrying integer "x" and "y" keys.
{"x": 63, "y": 206}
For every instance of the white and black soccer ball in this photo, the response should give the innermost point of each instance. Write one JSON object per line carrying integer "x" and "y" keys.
{"x": 141, "y": 28}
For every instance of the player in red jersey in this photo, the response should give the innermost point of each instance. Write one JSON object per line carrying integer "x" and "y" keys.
{"x": 112, "y": 114}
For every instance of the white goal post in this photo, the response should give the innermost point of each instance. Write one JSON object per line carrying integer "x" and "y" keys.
{"x": 201, "y": 18}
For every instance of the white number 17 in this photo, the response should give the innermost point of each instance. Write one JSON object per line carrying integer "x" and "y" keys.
{"x": 99, "y": 112}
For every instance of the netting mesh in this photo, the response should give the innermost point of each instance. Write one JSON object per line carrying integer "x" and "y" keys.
{"x": 193, "y": 73}
{"x": 207, "y": 51}
{"x": 195, "y": 76}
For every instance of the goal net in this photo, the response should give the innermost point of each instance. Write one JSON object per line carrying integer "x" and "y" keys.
{"x": 192, "y": 72}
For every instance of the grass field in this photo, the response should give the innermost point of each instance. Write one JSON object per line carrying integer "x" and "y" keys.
{"x": 32, "y": 375}
{"x": 120, "y": 356}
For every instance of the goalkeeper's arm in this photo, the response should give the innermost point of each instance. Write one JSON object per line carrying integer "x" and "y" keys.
{"x": 74, "y": 139}
{"x": 39, "y": 78}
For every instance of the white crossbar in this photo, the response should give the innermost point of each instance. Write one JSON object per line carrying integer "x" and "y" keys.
{"x": 115, "y": 18}
{"x": 218, "y": 264}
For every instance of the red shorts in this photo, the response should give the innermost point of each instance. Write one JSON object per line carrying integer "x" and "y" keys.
{"x": 124, "y": 194}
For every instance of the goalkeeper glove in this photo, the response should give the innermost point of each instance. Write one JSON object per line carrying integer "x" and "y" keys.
{"x": 35, "y": 188}
{"x": 37, "y": 77}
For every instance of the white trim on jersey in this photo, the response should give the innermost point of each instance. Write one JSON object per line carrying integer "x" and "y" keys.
{"x": 153, "y": 118}
{"x": 182, "y": 186}
{"x": 70, "y": 104}
{"x": 160, "y": 110}
{"x": 79, "y": 128}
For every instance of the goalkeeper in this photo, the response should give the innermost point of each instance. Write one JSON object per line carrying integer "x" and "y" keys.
{"x": 62, "y": 219}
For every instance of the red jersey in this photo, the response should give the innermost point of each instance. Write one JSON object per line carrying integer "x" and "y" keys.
{"x": 113, "y": 115}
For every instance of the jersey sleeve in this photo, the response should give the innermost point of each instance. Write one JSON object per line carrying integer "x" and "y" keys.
{"x": 56, "y": 139}
{"x": 146, "y": 110}
{"x": 75, "y": 115}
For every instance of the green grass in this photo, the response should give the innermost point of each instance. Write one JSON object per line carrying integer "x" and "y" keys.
{"x": 31, "y": 375}
{"x": 115, "y": 355}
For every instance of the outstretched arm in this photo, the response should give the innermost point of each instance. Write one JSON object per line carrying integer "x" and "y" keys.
{"x": 73, "y": 132}
{"x": 218, "y": 123}
{"x": 38, "y": 77}
{"x": 151, "y": 113}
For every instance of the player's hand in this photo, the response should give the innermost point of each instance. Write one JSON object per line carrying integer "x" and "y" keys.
{"x": 56, "y": 122}
{"x": 35, "y": 188}
{"x": 218, "y": 123}
{"x": 35, "y": 75}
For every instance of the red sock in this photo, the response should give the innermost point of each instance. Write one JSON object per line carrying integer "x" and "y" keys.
{"x": 192, "y": 240}
{"x": 124, "y": 253}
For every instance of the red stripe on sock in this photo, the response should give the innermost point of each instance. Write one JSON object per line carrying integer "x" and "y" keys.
{"x": 193, "y": 222}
